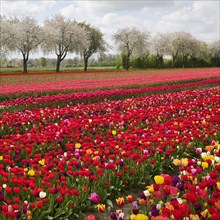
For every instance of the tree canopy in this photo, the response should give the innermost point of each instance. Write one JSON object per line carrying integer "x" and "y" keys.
{"x": 95, "y": 43}
{"x": 131, "y": 42}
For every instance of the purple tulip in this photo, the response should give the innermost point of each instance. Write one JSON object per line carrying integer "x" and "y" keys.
{"x": 154, "y": 210}
{"x": 135, "y": 205}
{"x": 113, "y": 216}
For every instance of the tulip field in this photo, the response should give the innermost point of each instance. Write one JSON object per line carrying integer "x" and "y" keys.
{"x": 74, "y": 148}
{"x": 39, "y": 82}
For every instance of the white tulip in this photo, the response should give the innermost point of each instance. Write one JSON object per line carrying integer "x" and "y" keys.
{"x": 42, "y": 194}
{"x": 146, "y": 193}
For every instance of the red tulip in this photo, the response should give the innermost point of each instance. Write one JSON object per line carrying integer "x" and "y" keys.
{"x": 90, "y": 217}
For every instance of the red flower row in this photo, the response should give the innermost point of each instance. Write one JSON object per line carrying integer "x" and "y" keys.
{"x": 51, "y": 82}
{"x": 103, "y": 94}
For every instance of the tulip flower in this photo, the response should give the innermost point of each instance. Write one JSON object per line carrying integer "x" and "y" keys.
{"x": 158, "y": 180}
{"x": 90, "y": 217}
{"x": 101, "y": 207}
{"x": 129, "y": 198}
{"x": 120, "y": 201}
{"x": 218, "y": 185}
{"x": 205, "y": 165}
{"x": 198, "y": 150}
{"x": 114, "y": 132}
{"x": 31, "y": 172}
{"x": 94, "y": 197}
{"x": 42, "y": 194}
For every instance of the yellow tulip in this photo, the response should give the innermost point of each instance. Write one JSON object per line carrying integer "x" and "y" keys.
{"x": 114, "y": 132}
{"x": 184, "y": 162}
{"x": 205, "y": 165}
{"x": 210, "y": 157}
{"x": 176, "y": 162}
{"x": 133, "y": 217}
{"x": 205, "y": 213}
{"x": 141, "y": 217}
{"x": 31, "y": 172}
{"x": 41, "y": 162}
{"x": 150, "y": 188}
{"x": 78, "y": 145}
{"x": 159, "y": 180}
{"x": 218, "y": 185}
{"x": 194, "y": 217}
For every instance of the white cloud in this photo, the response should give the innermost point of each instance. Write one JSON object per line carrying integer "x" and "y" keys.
{"x": 49, "y": 3}
{"x": 121, "y": 5}
{"x": 201, "y": 19}
{"x": 26, "y": 8}
{"x": 21, "y": 8}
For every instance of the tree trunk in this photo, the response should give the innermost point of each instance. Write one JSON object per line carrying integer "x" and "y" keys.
{"x": 161, "y": 62}
{"x": 25, "y": 60}
{"x": 192, "y": 62}
{"x": 127, "y": 62}
{"x": 58, "y": 64}
{"x": 183, "y": 63}
{"x": 25, "y": 65}
{"x": 85, "y": 63}
{"x": 173, "y": 62}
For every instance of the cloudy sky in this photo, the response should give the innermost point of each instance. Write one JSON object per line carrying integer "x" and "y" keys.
{"x": 201, "y": 18}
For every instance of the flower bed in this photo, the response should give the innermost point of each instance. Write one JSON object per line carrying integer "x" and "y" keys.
{"x": 50, "y": 82}
{"x": 56, "y": 163}
{"x": 77, "y": 96}
{"x": 193, "y": 194}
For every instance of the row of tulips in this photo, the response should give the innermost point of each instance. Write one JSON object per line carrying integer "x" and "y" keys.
{"x": 194, "y": 194}
{"x": 57, "y": 162}
{"x": 77, "y": 96}
{"x": 144, "y": 109}
{"x": 38, "y": 83}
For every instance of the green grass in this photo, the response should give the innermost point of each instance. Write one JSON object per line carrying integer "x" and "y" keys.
{"x": 4, "y": 70}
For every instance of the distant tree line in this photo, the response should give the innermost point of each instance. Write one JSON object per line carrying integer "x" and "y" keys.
{"x": 102, "y": 60}
{"x": 137, "y": 49}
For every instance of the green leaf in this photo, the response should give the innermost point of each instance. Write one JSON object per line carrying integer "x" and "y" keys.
{"x": 109, "y": 203}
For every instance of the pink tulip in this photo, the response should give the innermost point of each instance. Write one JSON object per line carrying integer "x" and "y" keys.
{"x": 94, "y": 197}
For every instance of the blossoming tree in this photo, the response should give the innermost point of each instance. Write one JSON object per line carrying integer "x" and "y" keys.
{"x": 23, "y": 35}
{"x": 131, "y": 42}
{"x": 63, "y": 36}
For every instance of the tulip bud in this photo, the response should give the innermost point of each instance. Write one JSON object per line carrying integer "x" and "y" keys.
{"x": 42, "y": 194}
{"x": 198, "y": 150}
{"x": 158, "y": 206}
{"x": 146, "y": 193}
{"x": 101, "y": 207}
{"x": 217, "y": 159}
